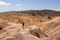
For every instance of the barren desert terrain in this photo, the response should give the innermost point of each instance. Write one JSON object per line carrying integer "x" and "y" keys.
{"x": 30, "y": 25}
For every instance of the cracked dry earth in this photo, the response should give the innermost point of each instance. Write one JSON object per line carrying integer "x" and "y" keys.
{"x": 49, "y": 30}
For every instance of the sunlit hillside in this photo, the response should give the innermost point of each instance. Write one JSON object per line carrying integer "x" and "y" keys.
{"x": 24, "y": 25}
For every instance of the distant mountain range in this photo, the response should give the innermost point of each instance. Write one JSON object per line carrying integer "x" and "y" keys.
{"x": 38, "y": 12}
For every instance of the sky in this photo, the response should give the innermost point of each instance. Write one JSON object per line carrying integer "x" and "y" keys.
{"x": 18, "y": 5}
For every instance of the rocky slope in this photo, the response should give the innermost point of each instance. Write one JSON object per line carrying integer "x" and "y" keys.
{"x": 29, "y": 26}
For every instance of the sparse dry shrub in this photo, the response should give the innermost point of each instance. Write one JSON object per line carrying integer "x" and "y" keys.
{"x": 49, "y": 17}
{"x": 1, "y": 28}
{"x": 33, "y": 32}
{"x": 10, "y": 39}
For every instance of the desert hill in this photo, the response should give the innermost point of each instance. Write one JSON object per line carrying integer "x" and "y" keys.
{"x": 26, "y": 17}
{"x": 30, "y": 25}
